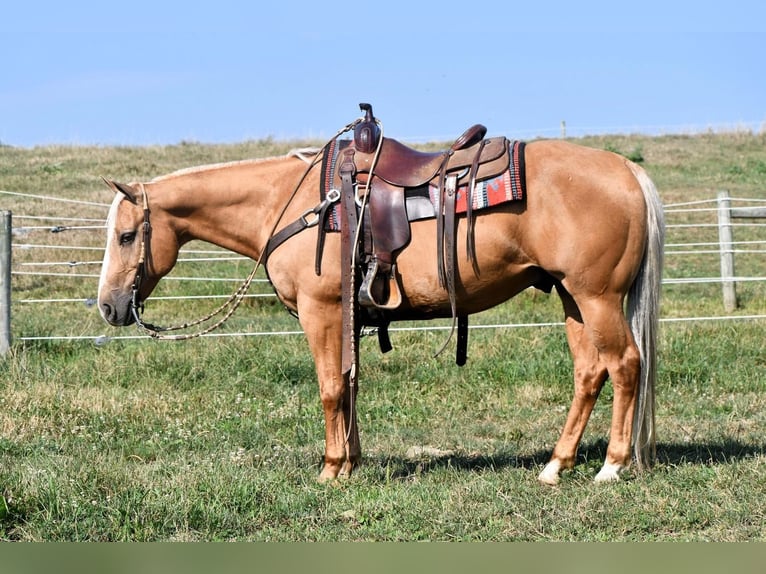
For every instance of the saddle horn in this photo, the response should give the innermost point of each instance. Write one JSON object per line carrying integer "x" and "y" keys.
{"x": 366, "y": 132}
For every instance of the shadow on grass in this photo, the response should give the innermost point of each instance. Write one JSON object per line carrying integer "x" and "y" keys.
{"x": 671, "y": 454}
{"x": 722, "y": 452}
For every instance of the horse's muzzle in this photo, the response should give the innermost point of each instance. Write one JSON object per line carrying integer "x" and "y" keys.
{"x": 117, "y": 316}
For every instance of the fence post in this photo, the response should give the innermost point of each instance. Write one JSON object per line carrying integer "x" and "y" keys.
{"x": 727, "y": 253}
{"x": 5, "y": 281}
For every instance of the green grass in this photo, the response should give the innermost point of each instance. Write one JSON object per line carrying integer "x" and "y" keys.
{"x": 221, "y": 438}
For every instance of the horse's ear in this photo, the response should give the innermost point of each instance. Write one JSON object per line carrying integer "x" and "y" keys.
{"x": 123, "y": 188}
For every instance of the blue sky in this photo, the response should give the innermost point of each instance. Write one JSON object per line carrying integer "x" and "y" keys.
{"x": 141, "y": 73}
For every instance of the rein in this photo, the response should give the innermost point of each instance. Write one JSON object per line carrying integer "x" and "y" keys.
{"x": 137, "y": 307}
{"x": 234, "y": 301}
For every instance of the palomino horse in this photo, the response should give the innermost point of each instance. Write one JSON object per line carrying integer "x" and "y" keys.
{"x": 591, "y": 225}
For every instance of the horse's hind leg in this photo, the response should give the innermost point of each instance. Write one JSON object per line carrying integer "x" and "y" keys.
{"x": 589, "y": 376}
{"x": 617, "y": 349}
{"x": 602, "y": 346}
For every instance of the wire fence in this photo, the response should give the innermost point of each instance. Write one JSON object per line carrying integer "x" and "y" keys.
{"x": 693, "y": 233}
{"x": 565, "y": 129}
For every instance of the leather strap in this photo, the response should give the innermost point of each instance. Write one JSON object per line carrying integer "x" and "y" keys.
{"x": 462, "y": 340}
{"x": 349, "y": 351}
{"x": 321, "y": 212}
{"x": 440, "y": 223}
{"x": 448, "y": 263}
{"x": 469, "y": 221}
{"x": 324, "y": 212}
{"x": 450, "y": 227}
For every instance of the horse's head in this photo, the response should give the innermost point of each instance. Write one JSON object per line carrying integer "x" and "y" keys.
{"x": 141, "y": 247}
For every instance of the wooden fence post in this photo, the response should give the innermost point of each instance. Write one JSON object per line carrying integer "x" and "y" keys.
{"x": 5, "y": 281}
{"x": 727, "y": 253}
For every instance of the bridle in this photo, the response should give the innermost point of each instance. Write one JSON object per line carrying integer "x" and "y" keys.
{"x": 227, "y": 308}
{"x": 137, "y": 306}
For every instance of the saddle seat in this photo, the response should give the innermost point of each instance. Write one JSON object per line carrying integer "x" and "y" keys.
{"x": 405, "y": 167}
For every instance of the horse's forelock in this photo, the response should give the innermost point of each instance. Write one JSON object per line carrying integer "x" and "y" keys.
{"x": 111, "y": 218}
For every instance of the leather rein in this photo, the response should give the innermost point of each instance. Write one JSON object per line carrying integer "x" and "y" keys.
{"x": 137, "y": 306}
{"x": 233, "y": 302}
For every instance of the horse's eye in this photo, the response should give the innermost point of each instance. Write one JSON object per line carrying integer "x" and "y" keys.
{"x": 127, "y": 238}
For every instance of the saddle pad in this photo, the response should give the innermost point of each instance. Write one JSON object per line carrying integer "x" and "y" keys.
{"x": 327, "y": 182}
{"x": 508, "y": 186}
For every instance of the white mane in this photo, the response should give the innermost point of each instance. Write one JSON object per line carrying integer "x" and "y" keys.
{"x": 299, "y": 153}
{"x": 210, "y": 167}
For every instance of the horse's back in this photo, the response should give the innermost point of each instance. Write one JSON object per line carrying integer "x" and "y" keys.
{"x": 578, "y": 179}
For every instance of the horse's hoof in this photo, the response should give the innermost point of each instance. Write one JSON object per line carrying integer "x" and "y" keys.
{"x": 328, "y": 474}
{"x": 332, "y": 472}
{"x": 324, "y": 478}
{"x": 345, "y": 470}
{"x": 609, "y": 473}
{"x": 550, "y": 474}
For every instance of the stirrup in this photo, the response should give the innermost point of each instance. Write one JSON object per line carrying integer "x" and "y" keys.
{"x": 380, "y": 290}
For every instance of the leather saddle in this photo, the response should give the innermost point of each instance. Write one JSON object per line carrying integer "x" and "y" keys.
{"x": 394, "y": 174}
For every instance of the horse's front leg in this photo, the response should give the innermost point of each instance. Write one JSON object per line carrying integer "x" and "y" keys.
{"x": 323, "y": 328}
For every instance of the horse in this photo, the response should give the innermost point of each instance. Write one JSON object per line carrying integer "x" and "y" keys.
{"x": 590, "y": 225}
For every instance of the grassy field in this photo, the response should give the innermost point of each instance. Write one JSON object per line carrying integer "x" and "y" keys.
{"x": 221, "y": 438}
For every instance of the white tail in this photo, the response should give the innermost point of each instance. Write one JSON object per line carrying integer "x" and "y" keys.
{"x": 643, "y": 316}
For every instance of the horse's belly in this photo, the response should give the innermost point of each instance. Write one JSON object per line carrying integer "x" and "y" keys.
{"x": 425, "y": 298}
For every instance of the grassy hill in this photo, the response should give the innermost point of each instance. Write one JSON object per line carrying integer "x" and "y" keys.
{"x": 221, "y": 438}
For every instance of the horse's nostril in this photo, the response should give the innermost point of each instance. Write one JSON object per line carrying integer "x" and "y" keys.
{"x": 106, "y": 310}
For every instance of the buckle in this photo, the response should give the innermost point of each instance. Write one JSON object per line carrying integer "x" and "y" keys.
{"x": 333, "y": 195}
{"x": 305, "y": 221}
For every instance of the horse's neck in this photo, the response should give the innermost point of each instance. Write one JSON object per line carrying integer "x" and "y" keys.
{"x": 234, "y": 207}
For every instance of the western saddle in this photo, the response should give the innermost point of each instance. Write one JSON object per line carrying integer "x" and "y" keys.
{"x": 387, "y": 171}
{"x": 379, "y": 181}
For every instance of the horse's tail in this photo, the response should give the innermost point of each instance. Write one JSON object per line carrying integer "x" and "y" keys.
{"x": 643, "y": 316}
